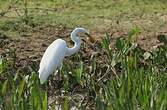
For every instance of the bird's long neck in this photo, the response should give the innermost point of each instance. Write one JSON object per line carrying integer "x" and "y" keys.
{"x": 77, "y": 44}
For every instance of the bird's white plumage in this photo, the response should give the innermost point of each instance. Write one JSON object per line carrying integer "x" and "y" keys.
{"x": 52, "y": 59}
{"x": 55, "y": 53}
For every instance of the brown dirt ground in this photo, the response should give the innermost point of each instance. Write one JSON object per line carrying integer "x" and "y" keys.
{"x": 31, "y": 46}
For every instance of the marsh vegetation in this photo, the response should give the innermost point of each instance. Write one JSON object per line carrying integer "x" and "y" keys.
{"x": 125, "y": 69}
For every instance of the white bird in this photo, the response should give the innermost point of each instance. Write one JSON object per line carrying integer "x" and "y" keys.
{"x": 55, "y": 53}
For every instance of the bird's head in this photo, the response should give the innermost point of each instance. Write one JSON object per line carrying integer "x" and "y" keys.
{"x": 83, "y": 32}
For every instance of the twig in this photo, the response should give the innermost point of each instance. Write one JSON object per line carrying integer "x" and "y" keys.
{"x": 107, "y": 71}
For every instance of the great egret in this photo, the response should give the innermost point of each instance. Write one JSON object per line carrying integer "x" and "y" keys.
{"x": 55, "y": 53}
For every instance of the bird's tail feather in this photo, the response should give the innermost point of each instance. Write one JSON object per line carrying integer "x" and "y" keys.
{"x": 42, "y": 75}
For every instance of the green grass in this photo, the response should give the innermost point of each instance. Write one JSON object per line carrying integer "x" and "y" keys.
{"x": 134, "y": 79}
{"x": 95, "y": 14}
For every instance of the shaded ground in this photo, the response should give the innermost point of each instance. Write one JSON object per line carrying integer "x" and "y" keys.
{"x": 30, "y": 46}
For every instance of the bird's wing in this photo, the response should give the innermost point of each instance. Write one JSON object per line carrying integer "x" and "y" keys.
{"x": 52, "y": 58}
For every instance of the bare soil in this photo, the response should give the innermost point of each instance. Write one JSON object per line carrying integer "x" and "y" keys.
{"x": 30, "y": 46}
